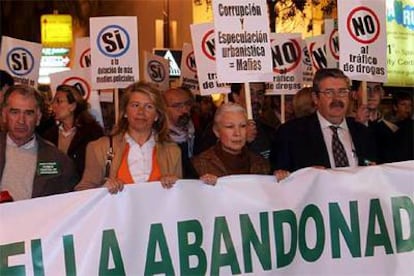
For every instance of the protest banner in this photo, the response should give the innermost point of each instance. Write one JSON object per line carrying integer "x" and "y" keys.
{"x": 317, "y": 51}
{"x": 82, "y": 53}
{"x": 204, "y": 47}
{"x": 188, "y": 76}
{"x": 80, "y": 79}
{"x": 307, "y": 67}
{"x": 362, "y": 34}
{"x": 114, "y": 51}
{"x": 242, "y": 41}
{"x": 316, "y": 222}
{"x": 21, "y": 59}
{"x": 400, "y": 38}
{"x": 287, "y": 64}
{"x": 332, "y": 52}
{"x": 156, "y": 70}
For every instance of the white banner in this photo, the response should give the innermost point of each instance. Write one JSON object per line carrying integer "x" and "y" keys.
{"x": 316, "y": 222}
{"x": 21, "y": 59}
{"x": 114, "y": 51}
{"x": 242, "y": 39}
{"x": 363, "y": 37}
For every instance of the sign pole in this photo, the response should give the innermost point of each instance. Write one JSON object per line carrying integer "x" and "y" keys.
{"x": 282, "y": 109}
{"x": 248, "y": 101}
{"x": 116, "y": 102}
{"x": 364, "y": 92}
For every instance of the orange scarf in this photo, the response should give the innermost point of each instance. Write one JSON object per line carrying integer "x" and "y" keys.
{"x": 125, "y": 175}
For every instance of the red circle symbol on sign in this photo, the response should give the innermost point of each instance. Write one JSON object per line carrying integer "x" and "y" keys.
{"x": 315, "y": 65}
{"x": 81, "y": 84}
{"x": 334, "y": 50}
{"x": 208, "y": 46}
{"x": 293, "y": 57}
{"x": 190, "y": 62}
{"x": 363, "y": 25}
{"x": 85, "y": 58}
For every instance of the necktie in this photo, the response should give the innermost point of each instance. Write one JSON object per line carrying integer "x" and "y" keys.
{"x": 338, "y": 149}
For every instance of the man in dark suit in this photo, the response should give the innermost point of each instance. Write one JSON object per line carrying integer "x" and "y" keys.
{"x": 309, "y": 141}
{"x": 30, "y": 166}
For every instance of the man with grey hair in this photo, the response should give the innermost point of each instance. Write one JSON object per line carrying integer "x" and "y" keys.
{"x": 30, "y": 166}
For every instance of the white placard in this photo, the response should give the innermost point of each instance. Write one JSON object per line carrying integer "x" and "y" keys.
{"x": 242, "y": 40}
{"x": 188, "y": 76}
{"x": 114, "y": 51}
{"x": 332, "y": 45}
{"x": 287, "y": 64}
{"x": 157, "y": 70}
{"x": 317, "y": 51}
{"x": 82, "y": 53}
{"x": 21, "y": 59}
{"x": 362, "y": 32}
{"x": 307, "y": 66}
{"x": 205, "y": 53}
{"x": 80, "y": 78}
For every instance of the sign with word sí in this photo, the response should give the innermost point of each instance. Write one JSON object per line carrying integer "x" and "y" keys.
{"x": 204, "y": 47}
{"x": 21, "y": 59}
{"x": 81, "y": 80}
{"x": 82, "y": 53}
{"x": 400, "y": 39}
{"x": 114, "y": 51}
{"x": 362, "y": 33}
{"x": 317, "y": 51}
{"x": 156, "y": 70}
{"x": 242, "y": 41}
{"x": 332, "y": 51}
{"x": 316, "y": 222}
{"x": 188, "y": 76}
{"x": 287, "y": 64}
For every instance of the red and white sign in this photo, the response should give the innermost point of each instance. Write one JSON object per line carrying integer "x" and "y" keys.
{"x": 82, "y": 53}
{"x": 332, "y": 52}
{"x": 287, "y": 64}
{"x": 79, "y": 78}
{"x": 204, "y": 50}
{"x": 361, "y": 26}
{"x": 188, "y": 76}
{"x": 317, "y": 51}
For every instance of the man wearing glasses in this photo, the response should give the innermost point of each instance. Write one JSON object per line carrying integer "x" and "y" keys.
{"x": 179, "y": 102}
{"x": 327, "y": 138}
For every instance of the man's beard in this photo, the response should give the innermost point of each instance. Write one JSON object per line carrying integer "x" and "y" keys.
{"x": 183, "y": 120}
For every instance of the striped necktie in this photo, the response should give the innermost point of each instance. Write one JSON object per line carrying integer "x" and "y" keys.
{"x": 338, "y": 149}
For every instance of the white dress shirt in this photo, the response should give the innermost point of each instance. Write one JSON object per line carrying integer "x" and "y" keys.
{"x": 344, "y": 137}
{"x": 140, "y": 158}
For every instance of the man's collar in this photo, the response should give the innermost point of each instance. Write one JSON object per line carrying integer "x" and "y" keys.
{"x": 325, "y": 123}
{"x": 31, "y": 143}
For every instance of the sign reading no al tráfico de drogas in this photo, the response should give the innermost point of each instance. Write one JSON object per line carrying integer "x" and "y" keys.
{"x": 114, "y": 51}
{"x": 362, "y": 35}
{"x": 242, "y": 41}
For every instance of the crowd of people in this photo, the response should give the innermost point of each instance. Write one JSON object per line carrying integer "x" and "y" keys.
{"x": 170, "y": 135}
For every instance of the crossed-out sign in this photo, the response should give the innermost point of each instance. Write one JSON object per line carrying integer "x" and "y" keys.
{"x": 20, "y": 61}
{"x": 334, "y": 44}
{"x": 363, "y": 25}
{"x": 85, "y": 58}
{"x": 190, "y": 62}
{"x": 319, "y": 55}
{"x": 208, "y": 46}
{"x": 81, "y": 84}
{"x": 286, "y": 57}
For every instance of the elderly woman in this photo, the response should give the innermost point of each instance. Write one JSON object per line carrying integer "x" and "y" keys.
{"x": 230, "y": 155}
{"x": 76, "y": 126}
{"x": 139, "y": 149}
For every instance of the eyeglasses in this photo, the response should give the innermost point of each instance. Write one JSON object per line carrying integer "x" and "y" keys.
{"x": 341, "y": 92}
{"x": 187, "y": 104}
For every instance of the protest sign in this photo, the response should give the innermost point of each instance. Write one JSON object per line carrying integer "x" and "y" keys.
{"x": 21, "y": 59}
{"x": 82, "y": 53}
{"x": 242, "y": 41}
{"x": 362, "y": 33}
{"x": 156, "y": 70}
{"x": 204, "y": 47}
{"x": 332, "y": 52}
{"x": 317, "y": 51}
{"x": 114, "y": 51}
{"x": 188, "y": 76}
{"x": 316, "y": 222}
